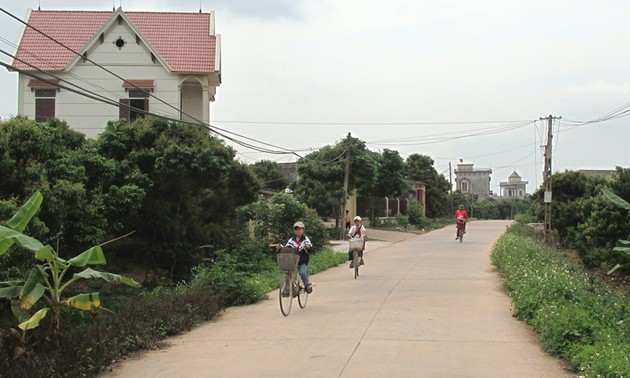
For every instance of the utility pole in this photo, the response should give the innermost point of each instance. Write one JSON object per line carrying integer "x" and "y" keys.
{"x": 450, "y": 177}
{"x": 547, "y": 176}
{"x": 346, "y": 179}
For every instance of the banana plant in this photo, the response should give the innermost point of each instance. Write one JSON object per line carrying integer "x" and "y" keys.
{"x": 50, "y": 277}
{"x": 623, "y": 246}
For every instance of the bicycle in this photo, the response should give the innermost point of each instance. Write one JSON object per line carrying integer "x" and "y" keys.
{"x": 291, "y": 284}
{"x": 461, "y": 230}
{"x": 356, "y": 245}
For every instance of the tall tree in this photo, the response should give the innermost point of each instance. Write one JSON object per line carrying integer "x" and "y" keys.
{"x": 420, "y": 168}
{"x": 270, "y": 174}
{"x": 320, "y": 181}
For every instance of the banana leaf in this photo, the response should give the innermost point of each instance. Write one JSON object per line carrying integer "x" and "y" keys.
{"x": 86, "y": 302}
{"x": 623, "y": 246}
{"x": 10, "y": 289}
{"x": 616, "y": 199}
{"x": 92, "y": 256}
{"x": 19, "y": 221}
{"x": 9, "y": 236}
{"x": 33, "y": 322}
{"x": 32, "y": 290}
{"x": 108, "y": 277}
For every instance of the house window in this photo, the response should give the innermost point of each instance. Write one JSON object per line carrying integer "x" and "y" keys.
{"x": 44, "y": 104}
{"x": 464, "y": 186}
{"x": 135, "y": 106}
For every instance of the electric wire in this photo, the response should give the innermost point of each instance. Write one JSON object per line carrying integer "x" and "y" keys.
{"x": 142, "y": 90}
{"x": 116, "y": 104}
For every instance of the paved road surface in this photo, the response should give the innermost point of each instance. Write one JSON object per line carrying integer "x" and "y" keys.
{"x": 426, "y": 306}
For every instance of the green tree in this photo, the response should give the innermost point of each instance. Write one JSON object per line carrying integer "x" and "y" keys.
{"x": 187, "y": 182}
{"x": 569, "y": 188}
{"x": 320, "y": 181}
{"x": 270, "y": 174}
{"x": 44, "y": 156}
{"x": 601, "y": 222}
{"x": 420, "y": 168}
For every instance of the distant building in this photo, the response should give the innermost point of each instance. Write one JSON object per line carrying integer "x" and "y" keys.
{"x": 514, "y": 186}
{"x": 473, "y": 181}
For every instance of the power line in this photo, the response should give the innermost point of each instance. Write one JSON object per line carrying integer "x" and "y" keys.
{"x": 136, "y": 87}
{"x": 365, "y": 123}
{"x": 102, "y": 99}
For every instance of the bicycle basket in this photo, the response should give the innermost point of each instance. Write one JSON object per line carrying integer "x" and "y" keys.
{"x": 356, "y": 244}
{"x": 287, "y": 259}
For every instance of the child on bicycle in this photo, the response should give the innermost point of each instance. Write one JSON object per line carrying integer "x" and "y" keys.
{"x": 357, "y": 231}
{"x": 303, "y": 244}
{"x": 461, "y": 216}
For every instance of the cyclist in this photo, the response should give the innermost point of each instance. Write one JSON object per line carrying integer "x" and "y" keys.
{"x": 303, "y": 244}
{"x": 461, "y": 216}
{"x": 357, "y": 231}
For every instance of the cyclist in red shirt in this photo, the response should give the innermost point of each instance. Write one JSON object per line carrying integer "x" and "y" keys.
{"x": 461, "y": 215}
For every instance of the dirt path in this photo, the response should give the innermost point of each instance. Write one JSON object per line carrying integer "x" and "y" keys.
{"x": 424, "y": 306}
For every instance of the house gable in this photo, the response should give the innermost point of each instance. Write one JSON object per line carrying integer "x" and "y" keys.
{"x": 119, "y": 42}
{"x": 185, "y": 42}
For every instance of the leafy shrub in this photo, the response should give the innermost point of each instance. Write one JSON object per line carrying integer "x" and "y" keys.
{"x": 525, "y": 218}
{"x": 577, "y": 315}
{"x": 415, "y": 215}
{"x": 138, "y": 321}
{"x": 274, "y": 219}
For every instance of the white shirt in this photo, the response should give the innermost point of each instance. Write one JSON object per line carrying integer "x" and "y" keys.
{"x": 357, "y": 232}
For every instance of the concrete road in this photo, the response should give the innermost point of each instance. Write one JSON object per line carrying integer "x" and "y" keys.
{"x": 426, "y": 306}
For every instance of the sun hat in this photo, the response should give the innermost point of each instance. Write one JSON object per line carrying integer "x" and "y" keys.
{"x": 298, "y": 224}
{"x": 357, "y": 218}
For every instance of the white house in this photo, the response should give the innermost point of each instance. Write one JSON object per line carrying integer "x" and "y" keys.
{"x": 514, "y": 186}
{"x": 163, "y": 62}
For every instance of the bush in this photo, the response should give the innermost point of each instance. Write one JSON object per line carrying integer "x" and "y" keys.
{"x": 274, "y": 219}
{"x": 138, "y": 322}
{"x": 525, "y": 218}
{"x": 577, "y": 315}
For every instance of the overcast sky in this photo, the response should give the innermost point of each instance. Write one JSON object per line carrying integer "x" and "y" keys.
{"x": 442, "y": 67}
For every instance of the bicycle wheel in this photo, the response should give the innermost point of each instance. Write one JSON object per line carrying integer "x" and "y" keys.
{"x": 355, "y": 262}
{"x": 285, "y": 294}
{"x": 302, "y": 293}
{"x": 461, "y": 235}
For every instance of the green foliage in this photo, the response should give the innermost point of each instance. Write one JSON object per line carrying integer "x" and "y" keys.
{"x": 577, "y": 316}
{"x": 179, "y": 186}
{"x": 602, "y": 223}
{"x": 525, "y": 218}
{"x": 391, "y": 180}
{"x": 269, "y": 174}
{"x": 46, "y": 279}
{"x": 138, "y": 321}
{"x": 414, "y": 213}
{"x": 623, "y": 246}
{"x": 274, "y": 219}
{"x": 321, "y": 175}
{"x": 420, "y": 168}
{"x": 570, "y": 191}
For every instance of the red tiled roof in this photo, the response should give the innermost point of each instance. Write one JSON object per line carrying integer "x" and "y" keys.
{"x": 138, "y": 83}
{"x": 39, "y": 83}
{"x": 183, "y": 40}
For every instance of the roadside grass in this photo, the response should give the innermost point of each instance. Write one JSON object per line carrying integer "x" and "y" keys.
{"x": 140, "y": 319}
{"x": 577, "y": 316}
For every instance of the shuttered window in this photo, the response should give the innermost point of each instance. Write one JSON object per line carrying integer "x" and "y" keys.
{"x": 44, "y": 104}
{"x": 132, "y": 108}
